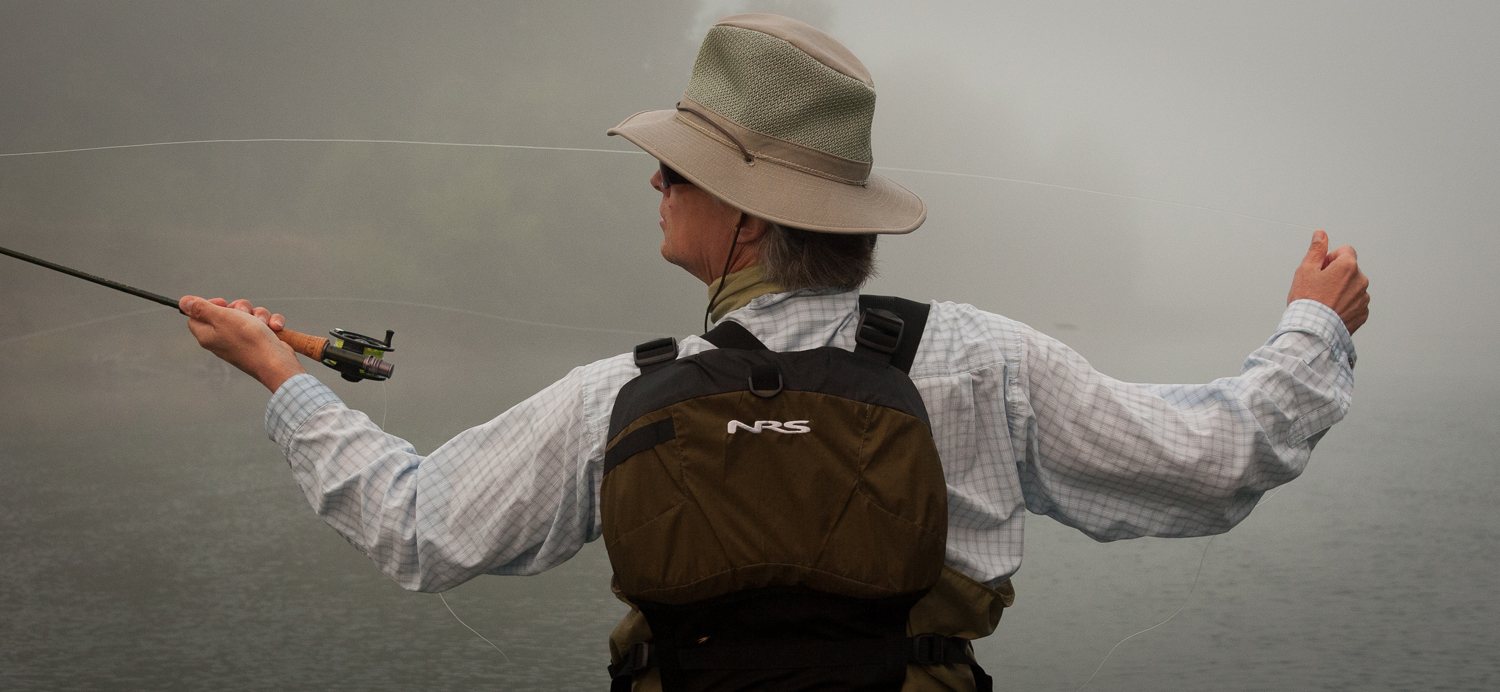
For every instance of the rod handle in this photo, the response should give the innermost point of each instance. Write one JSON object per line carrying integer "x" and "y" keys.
{"x": 305, "y": 344}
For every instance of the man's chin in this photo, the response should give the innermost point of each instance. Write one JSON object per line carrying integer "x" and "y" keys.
{"x": 667, "y": 255}
{"x": 677, "y": 261}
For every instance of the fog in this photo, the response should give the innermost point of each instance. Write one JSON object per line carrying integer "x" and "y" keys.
{"x": 1137, "y": 179}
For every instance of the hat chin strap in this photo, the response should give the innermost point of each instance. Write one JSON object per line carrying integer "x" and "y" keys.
{"x": 723, "y": 276}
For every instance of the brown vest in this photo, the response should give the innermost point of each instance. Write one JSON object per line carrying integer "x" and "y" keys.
{"x": 772, "y": 511}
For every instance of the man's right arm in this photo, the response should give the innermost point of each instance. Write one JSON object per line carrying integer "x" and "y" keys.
{"x": 514, "y": 495}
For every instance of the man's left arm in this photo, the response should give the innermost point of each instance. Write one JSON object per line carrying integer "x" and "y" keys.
{"x": 1119, "y": 460}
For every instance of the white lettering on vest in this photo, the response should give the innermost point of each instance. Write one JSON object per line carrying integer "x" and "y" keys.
{"x": 791, "y": 426}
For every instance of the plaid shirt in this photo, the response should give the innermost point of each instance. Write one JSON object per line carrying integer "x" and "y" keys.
{"x": 1021, "y": 422}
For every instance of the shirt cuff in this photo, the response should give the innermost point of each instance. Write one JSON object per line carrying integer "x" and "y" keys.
{"x": 296, "y": 400}
{"x": 1319, "y": 320}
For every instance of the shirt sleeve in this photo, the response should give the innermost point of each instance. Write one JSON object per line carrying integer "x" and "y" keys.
{"x": 1119, "y": 460}
{"x": 514, "y": 495}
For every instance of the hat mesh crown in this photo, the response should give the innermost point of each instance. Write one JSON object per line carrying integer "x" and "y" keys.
{"x": 770, "y": 86}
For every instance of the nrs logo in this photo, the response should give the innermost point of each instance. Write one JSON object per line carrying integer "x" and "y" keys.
{"x": 791, "y": 426}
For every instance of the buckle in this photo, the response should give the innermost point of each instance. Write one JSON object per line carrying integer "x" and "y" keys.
{"x": 880, "y": 330}
{"x": 929, "y": 648}
{"x": 654, "y": 352}
{"x": 640, "y": 657}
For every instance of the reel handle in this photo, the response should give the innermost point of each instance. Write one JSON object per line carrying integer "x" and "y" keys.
{"x": 305, "y": 344}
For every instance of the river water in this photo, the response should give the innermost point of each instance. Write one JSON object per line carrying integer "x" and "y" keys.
{"x": 152, "y": 536}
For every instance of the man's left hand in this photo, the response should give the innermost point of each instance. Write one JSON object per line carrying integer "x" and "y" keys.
{"x": 1333, "y": 279}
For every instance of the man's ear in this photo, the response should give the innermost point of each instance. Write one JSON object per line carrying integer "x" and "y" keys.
{"x": 752, "y": 229}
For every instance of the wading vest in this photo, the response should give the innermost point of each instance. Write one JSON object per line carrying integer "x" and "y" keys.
{"x": 778, "y": 520}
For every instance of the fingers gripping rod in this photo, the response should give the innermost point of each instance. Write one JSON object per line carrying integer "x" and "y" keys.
{"x": 355, "y": 356}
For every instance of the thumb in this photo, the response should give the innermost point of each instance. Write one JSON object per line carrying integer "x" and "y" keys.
{"x": 1318, "y": 251}
{"x": 194, "y": 307}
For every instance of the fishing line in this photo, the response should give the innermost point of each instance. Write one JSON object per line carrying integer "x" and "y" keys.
{"x": 309, "y": 140}
{"x": 1201, "y": 560}
{"x": 322, "y": 141}
{"x": 85, "y": 323}
{"x": 471, "y": 629}
{"x": 385, "y": 400}
{"x": 385, "y": 412}
{"x": 461, "y": 311}
{"x": 1196, "y": 575}
{"x": 1097, "y": 192}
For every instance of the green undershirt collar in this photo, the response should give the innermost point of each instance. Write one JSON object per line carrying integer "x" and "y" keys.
{"x": 740, "y": 288}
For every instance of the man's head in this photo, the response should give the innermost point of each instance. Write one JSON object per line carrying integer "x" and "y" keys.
{"x": 699, "y": 230}
{"x": 773, "y": 140}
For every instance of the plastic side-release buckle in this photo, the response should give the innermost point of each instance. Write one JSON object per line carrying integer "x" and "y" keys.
{"x": 655, "y": 353}
{"x": 640, "y": 657}
{"x": 936, "y": 649}
{"x": 880, "y": 331}
{"x": 929, "y": 649}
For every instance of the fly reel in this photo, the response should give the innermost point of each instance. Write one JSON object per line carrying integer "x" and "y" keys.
{"x": 359, "y": 357}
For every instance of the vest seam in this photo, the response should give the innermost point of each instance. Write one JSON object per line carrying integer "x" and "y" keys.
{"x": 648, "y": 522}
{"x": 687, "y": 486}
{"x": 904, "y": 520}
{"x": 864, "y": 438}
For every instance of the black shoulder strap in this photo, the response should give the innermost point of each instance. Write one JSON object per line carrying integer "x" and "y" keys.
{"x": 655, "y": 354}
{"x": 731, "y": 334}
{"x": 891, "y": 328}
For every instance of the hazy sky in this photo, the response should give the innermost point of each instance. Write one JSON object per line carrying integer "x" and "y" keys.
{"x": 1372, "y": 120}
{"x": 1248, "y": 122}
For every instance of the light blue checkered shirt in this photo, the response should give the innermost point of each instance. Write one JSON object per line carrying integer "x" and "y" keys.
{"x": 1021, "y": 422}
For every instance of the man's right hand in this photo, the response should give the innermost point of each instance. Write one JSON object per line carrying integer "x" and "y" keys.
{"x": 243, "y": 336}
{"x": 1333, "y": 279}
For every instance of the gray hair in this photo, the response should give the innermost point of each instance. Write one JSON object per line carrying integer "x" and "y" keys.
{"x": 793, "y": 258}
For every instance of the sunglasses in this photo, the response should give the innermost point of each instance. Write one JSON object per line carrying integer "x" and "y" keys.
{"x": 670, "y": 177}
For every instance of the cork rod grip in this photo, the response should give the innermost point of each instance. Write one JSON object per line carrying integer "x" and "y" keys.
{"x": 305, "y": 344}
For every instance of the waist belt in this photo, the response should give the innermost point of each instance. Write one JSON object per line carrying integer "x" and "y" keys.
{"x": 924, "y": 649}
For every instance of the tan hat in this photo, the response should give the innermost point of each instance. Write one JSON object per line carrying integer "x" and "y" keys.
{"x": 776, "y": 122}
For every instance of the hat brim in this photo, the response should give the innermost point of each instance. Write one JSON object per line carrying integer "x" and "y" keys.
{"x": 769, "y": 190}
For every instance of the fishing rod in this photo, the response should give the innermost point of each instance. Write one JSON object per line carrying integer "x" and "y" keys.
{"x": 356, "y": 356}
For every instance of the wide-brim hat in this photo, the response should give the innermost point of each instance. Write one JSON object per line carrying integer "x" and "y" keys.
{"x": 776, "y": 122}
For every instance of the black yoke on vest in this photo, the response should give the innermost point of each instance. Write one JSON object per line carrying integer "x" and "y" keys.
{"x": 781, "y": 637}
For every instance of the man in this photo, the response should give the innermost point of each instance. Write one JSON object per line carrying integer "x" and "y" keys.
{"x": 767, "y": 196}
